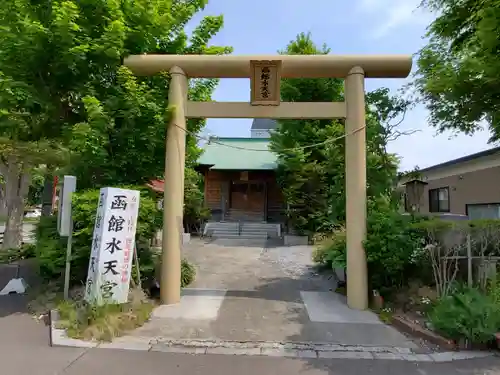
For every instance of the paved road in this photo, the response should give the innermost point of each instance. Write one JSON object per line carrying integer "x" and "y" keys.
{"x": 28, "y": 228}
{"x": 102, "y": 362}
{"x": 24, "y": 350}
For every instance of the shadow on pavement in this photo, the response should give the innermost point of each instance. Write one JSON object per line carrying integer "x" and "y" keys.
{"x": 238, "y": 317}
{"x": 288, "y": 290}
{"x": 15, "y": 303}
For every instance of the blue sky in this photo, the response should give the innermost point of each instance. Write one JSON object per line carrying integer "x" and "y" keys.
{"x": 358, "y": 26}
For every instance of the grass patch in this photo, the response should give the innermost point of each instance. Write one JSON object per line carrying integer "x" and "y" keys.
{"x": 102, "y": 323}
{"x": 385, "y": 315}
{"x": 49, "y": 295}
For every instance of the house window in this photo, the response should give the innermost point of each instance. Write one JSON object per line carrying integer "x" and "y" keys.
{"x": 260, "y": 134}
{"x": 439, "y": 200}
{"x": 483, "y": 211}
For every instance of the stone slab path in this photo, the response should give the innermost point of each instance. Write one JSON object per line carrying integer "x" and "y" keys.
{"x": 258, "y": 294}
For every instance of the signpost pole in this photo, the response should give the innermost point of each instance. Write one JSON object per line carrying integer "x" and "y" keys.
{"x": 65, "y": 223}
{"x": 136, "y": 258}
{"x": 68, "y": 260}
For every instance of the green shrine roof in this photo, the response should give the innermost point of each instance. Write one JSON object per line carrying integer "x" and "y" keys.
{"x": 238, "y": 154}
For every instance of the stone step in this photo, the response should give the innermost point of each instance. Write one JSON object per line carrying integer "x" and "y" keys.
{"x": 263, "y": 232}
{"x": 246, "y": 224}
{"x": 240, "y": 236}
{"x": 224, "y": 233}
{"x": 242, "y": 230}
{"x": 214, "y": 226}
{"x": 245, "y": 219}
{"x": 220, "y": 227}
{"x": 254, "y": 242}
{"x": 224, "y": 229}
{"x": 263, "y": 227}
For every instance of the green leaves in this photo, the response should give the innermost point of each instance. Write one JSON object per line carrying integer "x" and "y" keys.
{"x": 62, "y": 83}
{"x": 389, "y": 246}
{"x": 467, "y": 313}
{"x": 457, "y": 77}
{"x": 312, "y": 178}
{"x": 50, "y": 248}
{"x": 206, "y": 30}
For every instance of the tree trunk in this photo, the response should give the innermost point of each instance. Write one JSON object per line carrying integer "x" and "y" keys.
{"x": 48, "y": 186}
{"x": 3, "y": 202}
{"x": 17, "y": 184}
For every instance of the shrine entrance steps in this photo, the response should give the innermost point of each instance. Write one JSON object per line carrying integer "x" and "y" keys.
{"x": 242, "y": 230}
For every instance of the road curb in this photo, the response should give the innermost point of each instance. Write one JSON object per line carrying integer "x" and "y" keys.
{"x": 302, "y": 350}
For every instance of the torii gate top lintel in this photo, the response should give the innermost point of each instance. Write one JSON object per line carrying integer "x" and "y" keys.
{"x": 292, "y": 66}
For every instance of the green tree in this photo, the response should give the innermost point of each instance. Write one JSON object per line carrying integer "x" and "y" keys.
{"x": 312, "y": 178}
{"x": 66, "y": 100}
{"x": 35, "y": 190}
{"x": 458, "y": 76}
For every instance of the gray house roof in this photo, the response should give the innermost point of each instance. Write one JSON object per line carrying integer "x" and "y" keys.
{"x": 463, "y": 159}
{"x": 264, "y": 124}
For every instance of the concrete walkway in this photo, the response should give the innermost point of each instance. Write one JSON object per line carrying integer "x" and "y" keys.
{"x": 254, "y": 294}
{"x": 24, "y": 350}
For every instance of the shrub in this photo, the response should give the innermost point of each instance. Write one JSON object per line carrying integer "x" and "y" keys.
{"x": 401, "y": 247}
{"x": 390, "y": 247}
{"x": 330, "y": 250}
{"x": 466, "y": 313}
{"x": 188, "y": 273}
{"x": 446, "y": 245}
{"x": 51, "y": 249}
{"x": 494, "y": 291}
{"x": 195, "y": 212}
{"x": 320, "y": 256}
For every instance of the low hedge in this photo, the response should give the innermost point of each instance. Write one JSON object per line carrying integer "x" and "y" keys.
{"x": 51, "y": 248}
{"x": 395, "y": 245}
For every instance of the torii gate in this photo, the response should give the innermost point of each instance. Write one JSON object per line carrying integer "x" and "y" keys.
{"x": 265, "y": 73}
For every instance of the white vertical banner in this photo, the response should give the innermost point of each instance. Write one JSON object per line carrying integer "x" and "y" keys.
{"x": 113, "y": 241}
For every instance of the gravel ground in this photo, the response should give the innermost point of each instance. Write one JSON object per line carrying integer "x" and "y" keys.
{"x": 296, "y": 263}
{"x": 231, "y": 265}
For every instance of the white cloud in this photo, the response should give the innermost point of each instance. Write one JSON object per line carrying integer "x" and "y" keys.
{"x": 391, "y": 15}
{"x": 387, "y": 21}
